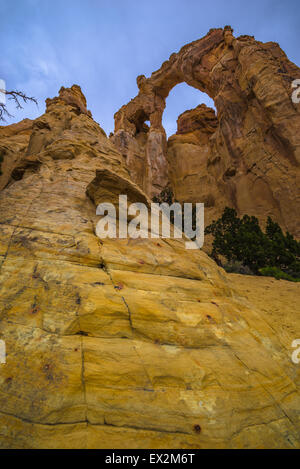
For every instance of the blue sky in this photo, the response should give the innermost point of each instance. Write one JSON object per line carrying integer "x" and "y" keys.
{"x": 103, "y": 45}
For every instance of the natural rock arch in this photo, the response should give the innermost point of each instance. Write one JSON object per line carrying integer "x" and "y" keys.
{"x": 258, "y": 131}
{"x": 149, "y": 104}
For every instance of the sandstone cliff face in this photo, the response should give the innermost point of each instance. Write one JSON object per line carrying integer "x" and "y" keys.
{"x": 188, "y": 154}
{"x": 123, "y": 343}
{"x": 252, "y": 157}
{"x": 13, "y": 144}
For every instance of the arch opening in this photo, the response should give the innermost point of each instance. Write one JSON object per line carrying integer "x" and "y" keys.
{"x": 182, "y": 97}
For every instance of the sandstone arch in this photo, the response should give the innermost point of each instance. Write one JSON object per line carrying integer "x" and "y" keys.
{"x": 258, "y": 125}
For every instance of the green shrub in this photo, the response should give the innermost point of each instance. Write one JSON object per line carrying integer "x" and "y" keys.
{"x": 165, "y": 196}
{"x": 277, "y": 273}
{"x": 242, "y": 240}
{"x": 237, "y": 267}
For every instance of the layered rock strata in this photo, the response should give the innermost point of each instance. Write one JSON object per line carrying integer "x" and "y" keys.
{"x": 122, "y": 343}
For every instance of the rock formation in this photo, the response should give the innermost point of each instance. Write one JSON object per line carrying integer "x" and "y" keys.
{"x": 188, "y": 154}
{"x": 249, "y": 158}
{"x": 124, "y": 343}
{"x": 144, "y": 151}
{"x": 140, "y": 343}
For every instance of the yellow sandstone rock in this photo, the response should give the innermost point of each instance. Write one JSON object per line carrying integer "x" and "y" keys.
{"x": 127, "y": 343}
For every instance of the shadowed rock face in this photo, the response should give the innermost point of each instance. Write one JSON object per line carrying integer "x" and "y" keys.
{"x": 125, "y": 343}
{"x": 252, "y": 156}
{"x": 188, "y": 154}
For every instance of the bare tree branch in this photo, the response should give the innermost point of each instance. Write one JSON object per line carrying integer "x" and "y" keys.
{"x": 18, "y": 97}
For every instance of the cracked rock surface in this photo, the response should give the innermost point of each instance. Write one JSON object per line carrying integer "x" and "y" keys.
{"x": 125, "y": 343}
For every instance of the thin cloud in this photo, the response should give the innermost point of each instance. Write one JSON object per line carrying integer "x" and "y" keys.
{"x": 103, "y": 46}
